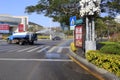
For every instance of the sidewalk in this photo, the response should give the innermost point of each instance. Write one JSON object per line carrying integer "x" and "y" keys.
{"x": 100, "y": 73}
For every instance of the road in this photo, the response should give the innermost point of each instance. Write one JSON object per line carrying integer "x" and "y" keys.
{"x": 46, "y": 60}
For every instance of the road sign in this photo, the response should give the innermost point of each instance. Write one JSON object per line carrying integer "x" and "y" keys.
{"x": 72, "y": 22}
{"x": 80, "y": 21}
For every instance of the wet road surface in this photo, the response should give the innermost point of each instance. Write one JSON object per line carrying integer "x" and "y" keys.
{"x": 46, "y": 60}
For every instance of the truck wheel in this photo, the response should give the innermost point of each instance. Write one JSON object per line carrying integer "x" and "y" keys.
{"x": 31, "y": 43}
{"x": 21, "y": 43}
{"x": 17, "y": 42}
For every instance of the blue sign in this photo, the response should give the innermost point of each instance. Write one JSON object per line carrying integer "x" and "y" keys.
{"x": 72, "y": 22}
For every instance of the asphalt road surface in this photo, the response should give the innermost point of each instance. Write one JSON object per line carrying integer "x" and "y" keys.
{"x": 46, "y": 60}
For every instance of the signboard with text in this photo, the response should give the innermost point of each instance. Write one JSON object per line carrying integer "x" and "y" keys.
{"x": 78, "y": 36}
{"x": 79, "y": 21}
{"x": 21, "y": 28}
{"x": 4, "y": 28}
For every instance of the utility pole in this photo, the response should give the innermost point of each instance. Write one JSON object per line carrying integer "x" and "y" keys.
{"x": 50, "y": 30}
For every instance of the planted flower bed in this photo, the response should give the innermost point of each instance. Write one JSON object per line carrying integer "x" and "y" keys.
{"x": 110, "y": 62}
{"x": 108, "y": 57}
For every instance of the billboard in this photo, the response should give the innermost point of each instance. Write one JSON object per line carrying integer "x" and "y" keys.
{"x": 78, "y": 33}
{"x": 20, "y": 28}
{"x": 4, "y": 28}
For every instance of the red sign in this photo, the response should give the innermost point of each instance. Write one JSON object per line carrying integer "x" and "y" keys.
{"x": 78, "y": 36}
{"x": 21, "y": 28}
{"x": 4, "y": 28}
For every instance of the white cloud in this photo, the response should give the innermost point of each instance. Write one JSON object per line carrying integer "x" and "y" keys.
{"x": 117, "y": 18}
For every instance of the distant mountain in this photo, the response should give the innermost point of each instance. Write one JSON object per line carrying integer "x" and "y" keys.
{"x": 33, "y": 27}
{"x": 35, "y": 24}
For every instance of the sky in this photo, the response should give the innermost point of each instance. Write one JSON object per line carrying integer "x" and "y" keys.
{"x": 17, "y": 8}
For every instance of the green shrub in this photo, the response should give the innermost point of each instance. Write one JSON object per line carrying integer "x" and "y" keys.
{"x": 110, "y": 62}
{"x": 107, "y": 42}
{"x": 43, "y": 37}
{"x": 73, "y": 48}
{"x": 4, "y": 36}
{"x": 111, "y": 48}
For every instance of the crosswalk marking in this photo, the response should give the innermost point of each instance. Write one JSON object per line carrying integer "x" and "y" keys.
{"x": 53, "y": 48}
{"x": 59, "y": 50}
{"x": 26, "y": 49}
{"x": 34, "y": 49}
{"x": 13, "y": 50}
{"x": 43, "y": 49}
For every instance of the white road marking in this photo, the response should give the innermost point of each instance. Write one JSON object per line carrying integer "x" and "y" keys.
{"x": 43, "y": 49}
{"x": 26, "y": 49}
{"x": 48, "y": 60}
{"x": 13, "y": 50}
{"x": 59, "y": 50}
{"x": 34, "y": 49}
{"x": 3, "y": 50}
{"x": 51, "y": 49}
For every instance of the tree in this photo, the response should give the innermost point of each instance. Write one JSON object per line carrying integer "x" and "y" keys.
{"x": 112, "y": 7}
{"x": 101, "y": 27}
{"x": 59, "y": 10}
{"x": 106, "y": 27}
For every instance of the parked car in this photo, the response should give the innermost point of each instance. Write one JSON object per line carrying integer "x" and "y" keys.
{"x": 56, "y": 38}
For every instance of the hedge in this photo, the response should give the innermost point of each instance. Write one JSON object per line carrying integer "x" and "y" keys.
{"x": 110, "y": 62}
{"x": 111, "y": 48}
{"x": 43, "y": 37}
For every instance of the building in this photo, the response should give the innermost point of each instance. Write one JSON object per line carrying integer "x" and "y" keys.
{"x": 9, "y": 24}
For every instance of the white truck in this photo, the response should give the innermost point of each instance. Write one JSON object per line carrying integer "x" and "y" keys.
{"x": 22, "y": 38}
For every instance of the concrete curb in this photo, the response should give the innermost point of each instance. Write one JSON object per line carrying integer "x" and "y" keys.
{"x": 102, "y": 72}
